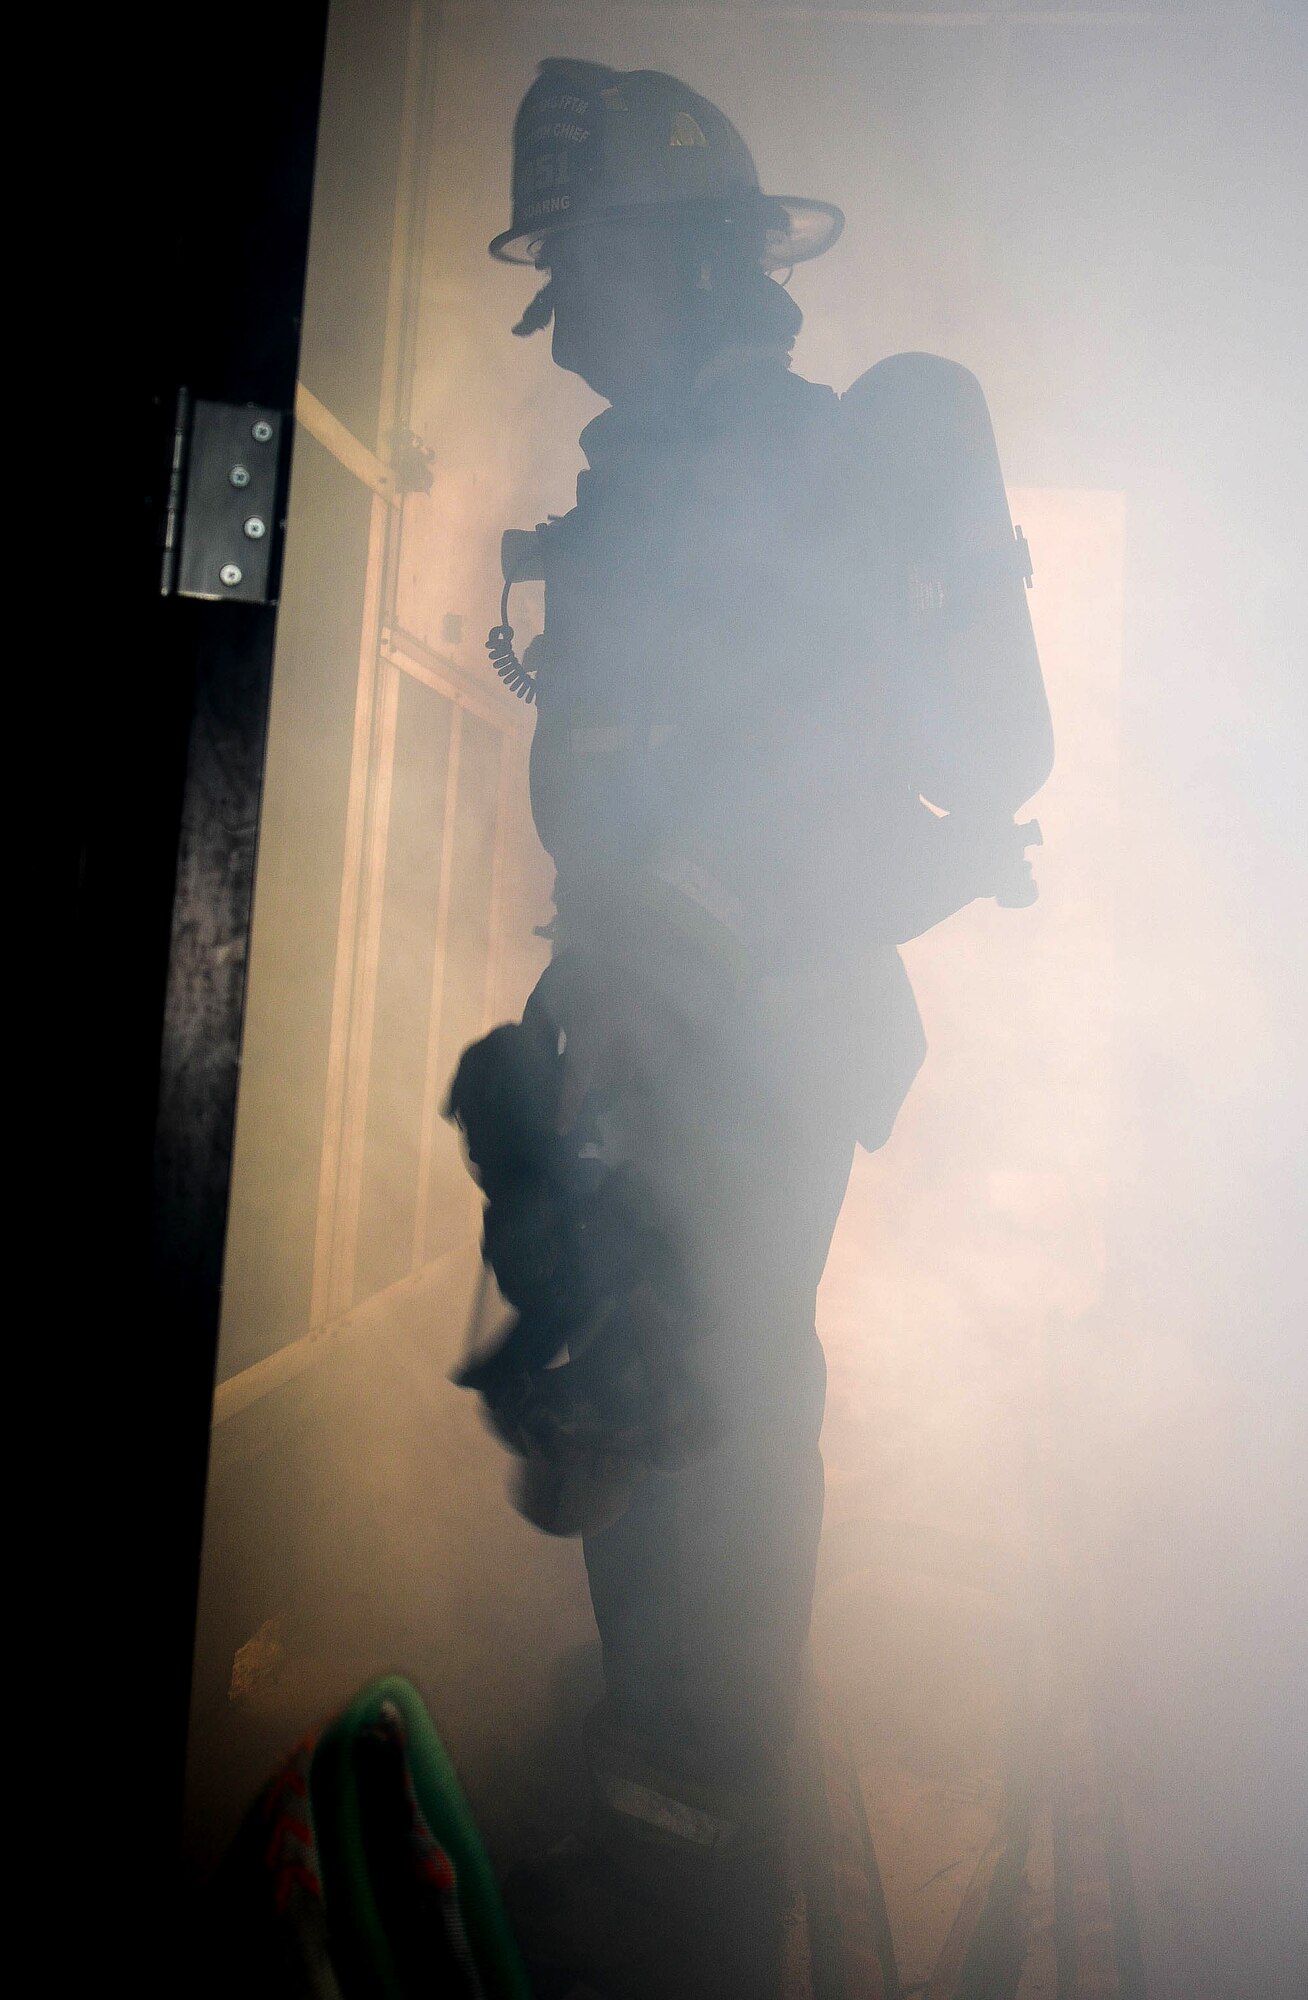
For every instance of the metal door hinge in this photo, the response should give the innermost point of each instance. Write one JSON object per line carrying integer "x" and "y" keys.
{"x": 222, "y": 528}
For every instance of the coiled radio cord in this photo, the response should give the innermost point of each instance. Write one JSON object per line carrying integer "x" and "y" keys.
{"x": 519, "y": 680}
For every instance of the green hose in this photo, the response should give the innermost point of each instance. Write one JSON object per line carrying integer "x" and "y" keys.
{"x": 351, "y": 1897}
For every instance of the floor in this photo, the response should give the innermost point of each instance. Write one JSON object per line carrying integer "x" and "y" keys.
{"x": 1044, "y": 1825}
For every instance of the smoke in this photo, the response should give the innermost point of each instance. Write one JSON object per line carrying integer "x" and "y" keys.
{"x": 1065, "y": 1311}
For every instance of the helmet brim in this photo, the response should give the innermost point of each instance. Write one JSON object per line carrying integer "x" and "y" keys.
{"x": 810, "y": 228}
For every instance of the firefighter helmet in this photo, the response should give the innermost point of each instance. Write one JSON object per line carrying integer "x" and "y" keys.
{"x": 592, "y": 143}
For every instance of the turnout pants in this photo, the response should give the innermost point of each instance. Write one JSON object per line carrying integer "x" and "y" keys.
{"x": 703, "y": 1589}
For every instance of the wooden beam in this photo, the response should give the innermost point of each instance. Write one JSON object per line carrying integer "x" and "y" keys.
{"x": 432, "y": 1082}
{"x": 481, "y": 694}
{"x": 372, "y": 1315}
{"x": 317, "y": 419}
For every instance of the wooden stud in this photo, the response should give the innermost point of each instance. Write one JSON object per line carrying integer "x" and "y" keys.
{"x": 432, "y": 1081}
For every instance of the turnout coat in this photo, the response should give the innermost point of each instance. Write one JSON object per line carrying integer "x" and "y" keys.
{"x": 719, "y": 768}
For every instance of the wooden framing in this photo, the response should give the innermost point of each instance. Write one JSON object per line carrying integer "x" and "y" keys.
{"x": 371, "y": 1316}
{"x": 437, "y": 671}
{"x": 352, "y": 1036}
{"x": 431, "y": 1081}
{"x": 324, "y": 1291}
{"x": 332, "y": 435}
{"x": 386, "y": 654}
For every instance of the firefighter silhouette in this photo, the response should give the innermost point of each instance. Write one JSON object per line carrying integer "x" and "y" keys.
{"x": 787, "y": 706}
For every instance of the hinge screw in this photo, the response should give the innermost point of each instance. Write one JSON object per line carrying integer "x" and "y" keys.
{"x": 255, "y": 528}
{"x": 230, "y": 574}
{"x": 262, "y": 431}
{"x": 239, "y": 475}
